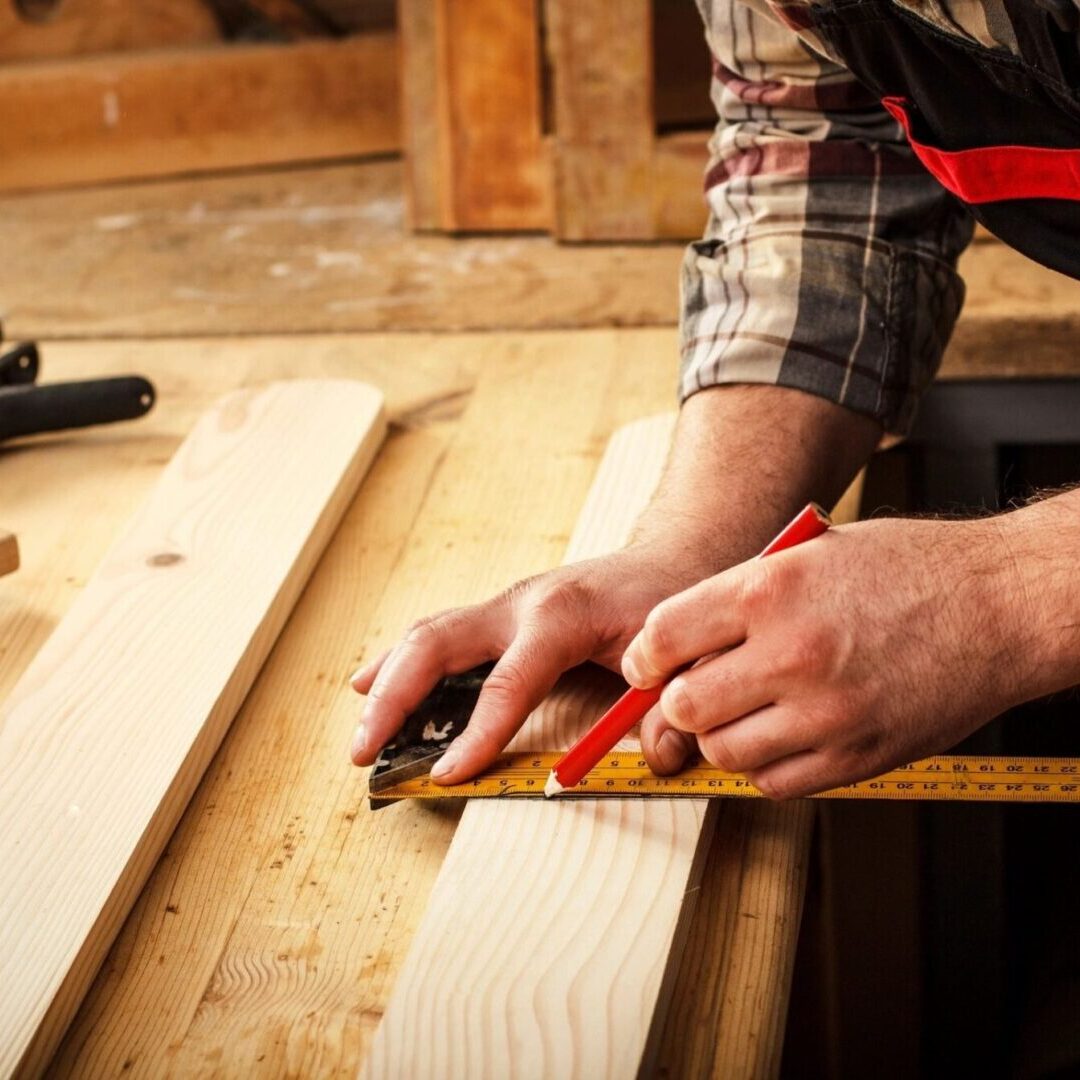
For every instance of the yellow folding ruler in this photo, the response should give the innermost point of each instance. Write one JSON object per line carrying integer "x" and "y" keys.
{"x": 403, "y": 767}
{"x": 946, "y": 777}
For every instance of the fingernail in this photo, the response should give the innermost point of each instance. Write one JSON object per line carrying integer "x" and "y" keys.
{"x": 355, "y": 676}
{"x": 359, "y": 741}
{"x": 446, "y": 764}
{"x": 672, "y": 750}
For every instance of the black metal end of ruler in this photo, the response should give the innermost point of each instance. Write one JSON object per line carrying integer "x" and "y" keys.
{"x": 440, "y": 718}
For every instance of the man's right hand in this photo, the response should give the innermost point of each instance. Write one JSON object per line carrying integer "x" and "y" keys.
{"x": 536, "y": 630}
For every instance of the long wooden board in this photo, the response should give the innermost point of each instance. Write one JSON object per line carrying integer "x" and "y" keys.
{"x": 107, "y": 733}
{"x": 190, "y": 110}
{"x": 547, "y": 934}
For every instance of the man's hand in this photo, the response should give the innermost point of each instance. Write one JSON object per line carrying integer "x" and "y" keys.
{"x": 745, "y": 459}
{"x": 866, "y": 648}
{"x": 537, "y": 629}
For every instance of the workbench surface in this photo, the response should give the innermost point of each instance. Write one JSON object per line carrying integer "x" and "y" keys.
{"x": 269, "y": 935}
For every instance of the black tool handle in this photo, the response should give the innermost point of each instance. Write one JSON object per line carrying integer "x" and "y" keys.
{"x": 73, "y": 405}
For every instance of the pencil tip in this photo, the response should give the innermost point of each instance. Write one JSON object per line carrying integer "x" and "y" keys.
{"x": 552, "y": 787}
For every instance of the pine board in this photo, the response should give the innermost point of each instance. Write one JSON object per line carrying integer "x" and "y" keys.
{"x": 518, "y": 970}
{"x": 107, "y": 733}
{"x": 667, "y": 946}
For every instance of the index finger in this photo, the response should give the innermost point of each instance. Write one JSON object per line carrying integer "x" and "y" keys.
{"x": 528, "y": 670}
{"x": 445, "y": 645}
{"x": 708, "y": 617}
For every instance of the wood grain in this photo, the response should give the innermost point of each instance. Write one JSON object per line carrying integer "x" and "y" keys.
{"x": 168, "y": 112}
{"x": 9, "y": 552}
{"x": 541, "y": 908}
{"x": 107, "y": 733}
{"x": 604, "y": 127}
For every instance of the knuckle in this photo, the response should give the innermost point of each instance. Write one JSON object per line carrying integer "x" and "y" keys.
{"x": 716, "y": 749}
{"x": 421, "y": 633}
{"x": 562, "y": 598}
{"x": 758, "y": 586}
{"x": 657, "y": 636}
{"x": 506, "y": 682}
{"x": 804, "y": 655}
{"x": 680, "y": 708}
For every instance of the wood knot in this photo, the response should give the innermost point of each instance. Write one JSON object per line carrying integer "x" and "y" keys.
{"x": 165, "y": 558}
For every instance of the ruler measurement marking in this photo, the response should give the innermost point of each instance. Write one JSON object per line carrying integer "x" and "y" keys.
{"x": 997, "y": 778}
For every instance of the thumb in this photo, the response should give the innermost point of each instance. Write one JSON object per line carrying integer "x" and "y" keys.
{"x": 665, "y": 748}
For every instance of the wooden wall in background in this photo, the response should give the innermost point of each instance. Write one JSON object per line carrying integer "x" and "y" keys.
{"x": 572, "y": 117}
{"x": 107, "y": 90}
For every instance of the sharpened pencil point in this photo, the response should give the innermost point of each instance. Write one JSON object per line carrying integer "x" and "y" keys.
{"x": 552, "y": 787}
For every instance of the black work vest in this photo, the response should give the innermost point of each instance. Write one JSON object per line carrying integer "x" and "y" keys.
{"x": 1001, "y": 132}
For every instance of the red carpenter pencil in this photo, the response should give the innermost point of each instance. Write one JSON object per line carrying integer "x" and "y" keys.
{"x": 631, "y": 708}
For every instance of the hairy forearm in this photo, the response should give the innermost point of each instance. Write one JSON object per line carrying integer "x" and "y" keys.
{"x": 1040, "y": 548}
{"x": 744, "y": 460}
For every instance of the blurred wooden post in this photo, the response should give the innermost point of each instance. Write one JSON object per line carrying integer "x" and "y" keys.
{"x": 473, "y": 110}
{"x": 477, "y": 153}
{"x": 604, "y": 128}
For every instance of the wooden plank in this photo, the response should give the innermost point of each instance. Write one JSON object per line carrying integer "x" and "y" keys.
{"x": 540, "y": 961}
{"x": 106, "y": 735}
{"x": 156, "y": 114}
{"x": 471, "y": 88}
{"x": 9, "y": 552}
{"x": 604, "y": 128}
{"x": 84, "y": 27}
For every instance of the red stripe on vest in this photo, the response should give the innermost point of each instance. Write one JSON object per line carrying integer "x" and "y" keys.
{"x": 996, "y": 173}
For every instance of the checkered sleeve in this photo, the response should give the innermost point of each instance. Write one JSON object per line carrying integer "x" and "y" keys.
{"x": 828, "y": 263}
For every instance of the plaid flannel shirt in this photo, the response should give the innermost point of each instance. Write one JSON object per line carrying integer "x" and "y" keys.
{"x": 829, "y": 260}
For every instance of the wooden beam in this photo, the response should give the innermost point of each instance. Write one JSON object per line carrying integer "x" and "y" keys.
{"x": 85, "y": 27}
{"x": 9, "y": 553}
{"x": 471, "y": 89}
{"x": 110, "y": 728}
{"x": 156, "y": 114}
{"x": 604, "y": 128}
